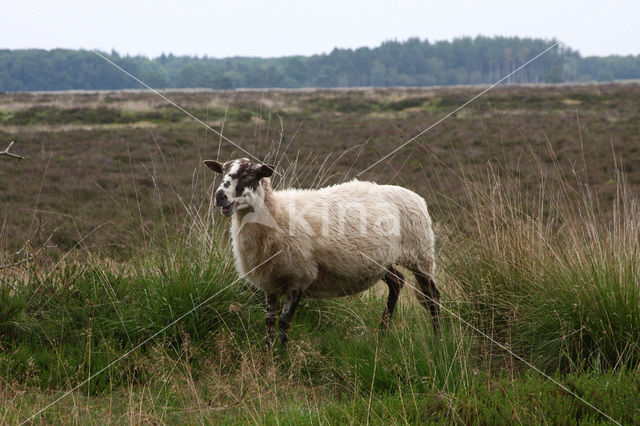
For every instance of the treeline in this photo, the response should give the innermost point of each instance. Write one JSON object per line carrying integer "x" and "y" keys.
{"x": 413, "y": 62}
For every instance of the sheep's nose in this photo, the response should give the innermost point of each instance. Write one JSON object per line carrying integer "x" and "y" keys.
{"x": 221, "y": 198}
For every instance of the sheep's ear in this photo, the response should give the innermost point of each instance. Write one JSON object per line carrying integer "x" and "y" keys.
{"x": 213, "y": 165}
{"x": 265, "y": 170}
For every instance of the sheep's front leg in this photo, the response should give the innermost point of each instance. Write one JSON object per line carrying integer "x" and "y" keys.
{"x": 270, "y": 321}
{"x": 289, "y": 308}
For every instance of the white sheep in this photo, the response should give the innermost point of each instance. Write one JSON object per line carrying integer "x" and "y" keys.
{"x": 325, "y": 243}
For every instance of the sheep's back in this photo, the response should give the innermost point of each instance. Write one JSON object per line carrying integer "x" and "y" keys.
{"x": 354, "y": 227}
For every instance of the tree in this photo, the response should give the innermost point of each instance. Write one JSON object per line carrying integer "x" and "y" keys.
{"x": 378, "y": 75}
{"x": 463, "y": 60}
{"x": 555, "y": 75}
{"x": 295, "y": 69}
{"x": 604, "y": 75}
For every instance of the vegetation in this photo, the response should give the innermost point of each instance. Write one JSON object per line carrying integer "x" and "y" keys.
{"x": 413, "y": 62}
{"x": 534, "y": 197}
{"x": 560, "y": 283}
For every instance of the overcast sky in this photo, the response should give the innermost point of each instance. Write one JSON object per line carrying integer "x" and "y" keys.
{"x": 277, "y": 28}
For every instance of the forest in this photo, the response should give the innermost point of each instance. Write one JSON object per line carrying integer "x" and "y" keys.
{"x": 414, "y": 62}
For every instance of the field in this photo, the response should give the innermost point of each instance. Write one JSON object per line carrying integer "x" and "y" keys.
{"x": 113, "y": 262}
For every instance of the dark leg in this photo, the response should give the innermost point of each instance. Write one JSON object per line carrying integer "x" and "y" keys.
{"x": 270, "y": 321}
{"x": 429, "y": 297}
{"x": 394, "y": 280}
{"x": 289, "y": 308}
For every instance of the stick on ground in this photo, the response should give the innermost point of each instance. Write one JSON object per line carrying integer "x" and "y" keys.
{"x": 10, "y": 154}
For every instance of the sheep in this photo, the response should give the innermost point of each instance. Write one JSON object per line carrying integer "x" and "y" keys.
{"x": 331, "y": 242}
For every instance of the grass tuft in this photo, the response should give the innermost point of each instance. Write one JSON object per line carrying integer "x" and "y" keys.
{"x": 558, "y": 283}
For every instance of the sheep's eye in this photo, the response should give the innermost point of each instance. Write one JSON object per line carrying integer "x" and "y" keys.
{"x": 252, "y": 172}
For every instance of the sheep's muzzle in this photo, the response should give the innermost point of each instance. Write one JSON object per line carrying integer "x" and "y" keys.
{"x": 229, "y": 209}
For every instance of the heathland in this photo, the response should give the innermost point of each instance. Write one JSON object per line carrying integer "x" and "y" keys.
{"x": 109, "y": 236}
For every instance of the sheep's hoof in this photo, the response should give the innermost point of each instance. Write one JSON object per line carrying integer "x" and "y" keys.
{"x": 385, "y": 322}
{"x": 269, "y": 342}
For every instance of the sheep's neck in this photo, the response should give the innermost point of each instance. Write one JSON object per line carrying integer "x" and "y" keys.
{"x": 269, "y": 203}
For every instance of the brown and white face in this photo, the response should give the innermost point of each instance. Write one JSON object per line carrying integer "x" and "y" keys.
{"x": 240, "y": 187}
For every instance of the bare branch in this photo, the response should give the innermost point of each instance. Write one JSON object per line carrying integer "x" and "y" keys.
{"x": 10, "y": 154}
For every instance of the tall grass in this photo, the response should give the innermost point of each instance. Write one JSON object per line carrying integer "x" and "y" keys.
{"x": 552, "y": 274}
{"x": 68, "y": 323}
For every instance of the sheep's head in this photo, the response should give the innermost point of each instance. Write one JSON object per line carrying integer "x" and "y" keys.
{"x": 240, "y": 187}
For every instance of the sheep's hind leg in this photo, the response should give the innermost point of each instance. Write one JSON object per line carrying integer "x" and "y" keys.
{"x": 429, "y": 297}
{"x": 394, "y": 279}
{"x": 270, "y": 321}
{"x": 289, "y": 308}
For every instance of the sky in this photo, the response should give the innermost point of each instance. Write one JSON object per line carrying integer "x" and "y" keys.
{"x": 300, "y": 27}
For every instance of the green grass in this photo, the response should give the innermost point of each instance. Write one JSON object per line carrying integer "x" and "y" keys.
{"x": 62, "y": 326}
{"x": 528, "y": 399}
{"x": 555, "y": 306}
{"x": 560, "y": 284}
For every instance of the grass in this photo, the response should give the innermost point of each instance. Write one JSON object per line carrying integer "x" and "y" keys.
{"x": 538, "y": 248}
{"x": 61, "y": 327}
{"x": 558, "y": 282}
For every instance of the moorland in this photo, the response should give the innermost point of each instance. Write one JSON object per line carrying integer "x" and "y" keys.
{"x": 117, "y": 282}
